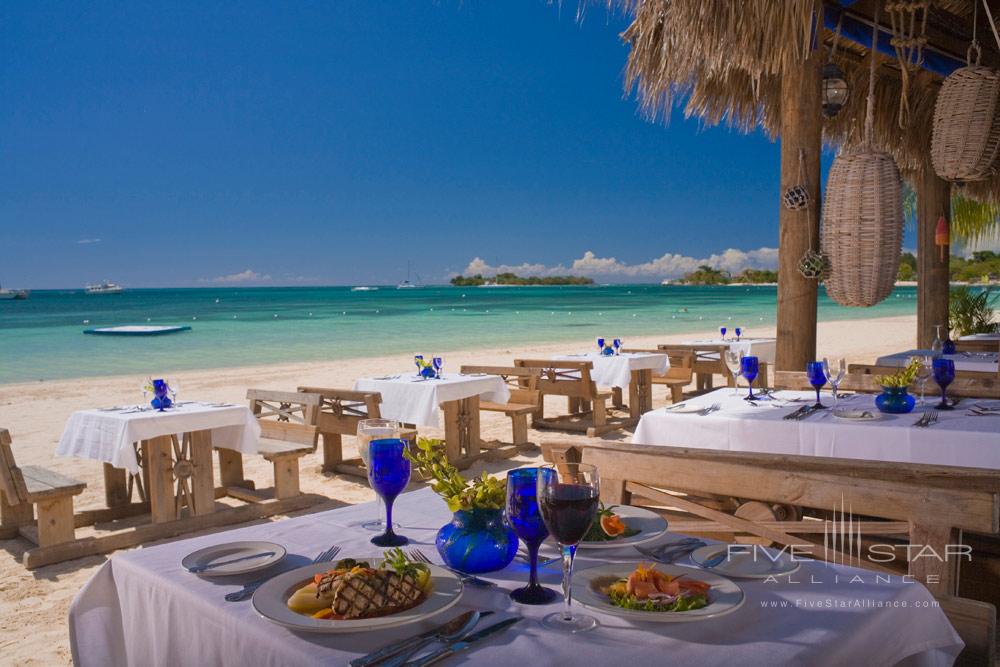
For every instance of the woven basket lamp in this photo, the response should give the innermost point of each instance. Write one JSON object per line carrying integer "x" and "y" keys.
{"x": 862, "y": 231}
{"x": 966, "y": 134}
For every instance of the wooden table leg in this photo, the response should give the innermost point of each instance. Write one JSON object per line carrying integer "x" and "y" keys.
{"x": 333, "y": 451}
{"x": 159, "y": 460}
{"x": 640, "y": 392}
{"x": 116, "y": 493}
{"x": 452, "y": 438}
{"x": 470, "y": 421}
{"x": 203, "y": 478}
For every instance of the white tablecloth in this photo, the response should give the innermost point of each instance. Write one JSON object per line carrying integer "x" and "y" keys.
{"x": 616, "y": 371}
{"x": 984, "y": 362}
{"x": 762, "y": 348}
{"x": 142, "y": 608}
{"x": 982, "y": 336}
{"x": 412, "y": 400}
{"x": 108, "y": 436}
{"x": 956, "y": 440}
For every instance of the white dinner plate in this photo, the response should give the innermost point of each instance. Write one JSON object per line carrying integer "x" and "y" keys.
{"x": 752, "y": 562}
{"x": 857, "y": 415}
{"x": 724, "y": 597}
{"x": 219, "y": 553}
{"x": 271, "y": 602}
{"x": 685, "y": 408}
{"x": 650, "y": 524}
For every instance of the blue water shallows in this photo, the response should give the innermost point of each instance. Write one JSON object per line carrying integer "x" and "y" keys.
{"x": 42, "y": 338}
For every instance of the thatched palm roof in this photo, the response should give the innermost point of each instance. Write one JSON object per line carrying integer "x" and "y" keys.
{"x": 725, "y": 58}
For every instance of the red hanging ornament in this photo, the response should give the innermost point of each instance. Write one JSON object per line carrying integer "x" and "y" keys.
{"x": 942, "y": 236}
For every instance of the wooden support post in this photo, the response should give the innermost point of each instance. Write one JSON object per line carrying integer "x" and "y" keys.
{"x": 933, "y": 201}
{"x": 231, "y": 468}
{"x": 286, "y": 477}
{"x": 203, "y": 478}
{"x": 520, "y": 429}
{"x": 640, "y": 392}
{"x": 13, "y": 517}
{"x": 333, "y": 451}
{"x": 55, "y": 521}
{"x": 115, "y": 486}
{"x": 161, "y": 479}
{"x": 801, "y": 133}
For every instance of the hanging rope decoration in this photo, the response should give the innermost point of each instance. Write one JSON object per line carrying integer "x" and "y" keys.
{"x": 862, "y": 230}
{"x": 965, "y": 139}
{"x": 908, "y": 19}
{"x": 796, "y": 197}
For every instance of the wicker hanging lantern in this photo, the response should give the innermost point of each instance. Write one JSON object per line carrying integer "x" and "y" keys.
{"x": 862, "y": 231}
{"x": 966, "y": 132}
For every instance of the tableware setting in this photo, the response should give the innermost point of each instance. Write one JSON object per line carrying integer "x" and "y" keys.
{"x": 369, "y": 430}
{"x": 609, "y": 349}
{"x": 248, "y": 589}
{"x": 744, "y": 561}
{"x": 856, "y": 415}
{"x": 402, "y": 649}
{"x": 233, "y": 558}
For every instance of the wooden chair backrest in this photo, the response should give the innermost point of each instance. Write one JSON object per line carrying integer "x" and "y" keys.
{"x": 562, "y": 378}
{"x": 974, "y": 384}
{"x": 853, "y": 381}
{"x": 286, "y": 415}
{"x": 11, "y": 479}
{"x": 977, "y": 346}
{"x": 340, "y": 410}
{"x": 522, "y": 382}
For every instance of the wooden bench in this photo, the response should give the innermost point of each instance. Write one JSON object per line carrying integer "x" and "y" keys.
{"x": 525, "y": 400}
{"x": 680, "y": 373}
{"x": 340, "y": 412}
{"x": 973, "y": 384}
{"x": 587, "y": 406}
{"x": 709, "y": 361}
{"x": 30, "y": 489}
{"x": 977, "y": 346}
{"x": 287, "y": 421}
{"x": 917, "y": 504}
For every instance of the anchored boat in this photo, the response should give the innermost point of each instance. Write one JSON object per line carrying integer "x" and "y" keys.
{"x": 144, "y": 330}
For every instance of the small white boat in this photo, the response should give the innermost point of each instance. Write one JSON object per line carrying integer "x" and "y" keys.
{"x": 130, "y": 330}
{"x": 107, "y": 287}
{"x": 406, "y": 284}
{"x": 13, "y": 294}
{"x": 364, "y": 289}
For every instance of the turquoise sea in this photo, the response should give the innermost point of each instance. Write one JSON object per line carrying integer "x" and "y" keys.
{"x": 42, "y": 337}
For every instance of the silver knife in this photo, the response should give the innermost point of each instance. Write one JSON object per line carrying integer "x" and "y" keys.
{"x": 195, "y": 569}
{"x": 401, "y": 645}
{"x": 462, "y": 644}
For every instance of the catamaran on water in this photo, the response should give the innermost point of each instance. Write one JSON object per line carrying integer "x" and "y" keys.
{"x": 106, "y": 287}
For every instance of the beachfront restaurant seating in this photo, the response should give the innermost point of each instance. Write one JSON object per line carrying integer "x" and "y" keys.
{"x": 587, "y": 406}
{"x": 287, "y": 421}
{"x": 680, "y": 373}
{"x": 340, "y": 412}
{"x": 35, "y": 503}
{"x": 709, "y": 361}
{"x": 525, "y": 399}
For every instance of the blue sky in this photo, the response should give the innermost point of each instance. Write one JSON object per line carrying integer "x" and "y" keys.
{"x": 188, "y": 143}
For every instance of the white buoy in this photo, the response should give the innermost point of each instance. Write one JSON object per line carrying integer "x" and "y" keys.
{"x": 149, "y": 319}
{"x": 194, "y": 318}
{"x": 276, "y": 316}
{"x": 310, "y": 314}
{"x": 217, "y": 301}
{"x": 86, "y": 321}
{"x": 633, "y": 315}
{"x": 234, "y": 317}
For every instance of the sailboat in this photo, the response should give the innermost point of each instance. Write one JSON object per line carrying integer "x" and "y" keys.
{"x": 406, "y": 284}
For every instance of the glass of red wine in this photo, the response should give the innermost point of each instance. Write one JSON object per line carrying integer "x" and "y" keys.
{"x": 567, "y": 499}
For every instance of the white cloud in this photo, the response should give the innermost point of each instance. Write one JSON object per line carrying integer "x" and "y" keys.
{"x": 88, "y": 241}
{"x": 670, "y": 265}
{"x": 241, "y": 277}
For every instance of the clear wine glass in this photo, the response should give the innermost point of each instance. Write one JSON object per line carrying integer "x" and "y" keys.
{"x": 144, "y": 387}
{"x": 368, "y": 430}
{"x": 567, "y": 499}
{"x": 835, "y": 373}
{"x": 732, "y": 359}
{"x": 174, "y": 387}
{"x": 924, "y": 373}
{"x": 937, "y": 347}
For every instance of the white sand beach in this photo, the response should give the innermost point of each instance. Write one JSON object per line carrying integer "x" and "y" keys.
{"x": 34, "y": 605}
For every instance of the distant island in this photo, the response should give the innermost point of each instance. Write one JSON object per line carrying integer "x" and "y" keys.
{"x": 514, "y": 279}
{"x": 707, "y": 275}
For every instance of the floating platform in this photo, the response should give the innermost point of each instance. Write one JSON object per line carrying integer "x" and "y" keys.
{"x": 136, "y": 330}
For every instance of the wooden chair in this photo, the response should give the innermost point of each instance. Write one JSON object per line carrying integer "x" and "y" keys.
{"x": 926, "y": 505}
{"x": 680, "y": 373}
{"x": 287, "y": 422}
{"x": 30, "y": 489}
{"x": 525, "y": 399}
{"x": 977, "y": 346}
{"x": 709, "y": 361}
{"x": 587, "y": 406}
{"x": 340, "y": 412}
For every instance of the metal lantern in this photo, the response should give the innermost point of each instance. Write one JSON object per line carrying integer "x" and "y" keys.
{"x": 835, "y": 90}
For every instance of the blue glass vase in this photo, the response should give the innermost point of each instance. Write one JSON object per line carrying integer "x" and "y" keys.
{"x": 895, "y": 401}
{"x": 428, "y": 372}
{"x": 160, "y": 401}
{"x": 478, "y": 540}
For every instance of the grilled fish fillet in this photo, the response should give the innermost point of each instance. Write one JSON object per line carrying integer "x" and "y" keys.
{"x": 369, "y": 592}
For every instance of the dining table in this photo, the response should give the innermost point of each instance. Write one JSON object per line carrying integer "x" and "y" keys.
{"x": 143, "y": 608}
{"x": 724, "y": 420}
{"x": 982, "y": 362}
{"x": 626, "y": 371}
{"x": 418, "y": 401}
{"x": 165, "y": 456}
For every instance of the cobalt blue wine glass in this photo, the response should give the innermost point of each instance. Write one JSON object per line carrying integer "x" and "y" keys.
{"x": 617, "y": 344}
{"x": 749, "y": 367}
{"x": 816, "y": 373}
{"x": 438, "y": 363}
{"x": 944, "y": 374}
{"x": 525, "y": 518}
{"x": 600, "y": 345}
{"x": 722, "y": 330}
{"x": 388, "y": 473}
{"x": 738, "y": 332}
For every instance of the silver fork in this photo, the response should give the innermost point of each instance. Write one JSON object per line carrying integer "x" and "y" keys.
{"x": 419, "y": 556}
{"x": 248, "y": 590}
{"x": 710, "y": 409}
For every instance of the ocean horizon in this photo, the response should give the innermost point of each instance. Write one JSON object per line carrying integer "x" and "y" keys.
{"x": 42, "y": 337}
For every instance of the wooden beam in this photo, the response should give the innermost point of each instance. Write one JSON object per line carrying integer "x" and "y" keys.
{"x": 801, "y": 133}
{"x": 933, "y": 201}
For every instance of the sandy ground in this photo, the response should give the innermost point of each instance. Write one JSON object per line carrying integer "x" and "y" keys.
{"x": 34, "y": 605}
